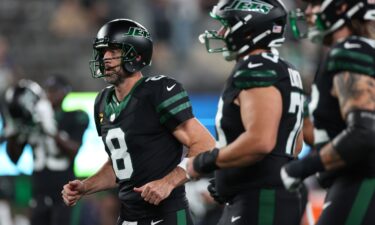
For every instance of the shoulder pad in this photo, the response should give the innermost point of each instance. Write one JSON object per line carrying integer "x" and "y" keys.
{"x": 170, "y": 100}
{"x": 256, "y": 71}
{"x": 160, "y": 82}
{"x": 354, "y": 55}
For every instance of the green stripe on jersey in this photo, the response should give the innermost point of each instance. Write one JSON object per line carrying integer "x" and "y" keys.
{"x": 171, "y": 100}
{"x": 251, "y": 84}
{"x": 346, "y": 66}
{"x": 113, "y": 106}
{"x": 174, "y": 111}
{"x": 266, "y": 207}
{"x": 256, "y": 73}
{"x": 353, "y": 55}
{"x": 181, "y": 217}
{"x": 359, "y": 208}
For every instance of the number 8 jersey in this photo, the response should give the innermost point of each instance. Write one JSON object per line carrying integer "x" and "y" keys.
{"x": 137, "y": 134}
{"x": 256, "y": 71}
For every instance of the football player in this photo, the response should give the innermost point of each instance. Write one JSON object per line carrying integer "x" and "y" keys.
{"x": 144, "y": 123}
{"x": 345, "y": 114}
{"x": 35, "y": 117}
{"x": 259, "y": 118}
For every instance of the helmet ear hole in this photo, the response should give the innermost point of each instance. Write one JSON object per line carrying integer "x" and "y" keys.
{"x": 128, "y": 67}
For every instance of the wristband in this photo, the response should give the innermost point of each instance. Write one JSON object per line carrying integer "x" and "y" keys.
{"x": 183, "y": 163}
{"x": 205, "y": 162}
{"x": 305, "y": 167}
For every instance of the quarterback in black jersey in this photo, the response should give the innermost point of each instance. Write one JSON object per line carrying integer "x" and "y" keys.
{"x": 144, "y": 123}
{"x": 345, "y": 114}
{"x": 259, "y": 118}
{"x": 55, "y": 137}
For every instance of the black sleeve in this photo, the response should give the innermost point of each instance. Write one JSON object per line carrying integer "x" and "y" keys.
{"x": 172, "y": 103}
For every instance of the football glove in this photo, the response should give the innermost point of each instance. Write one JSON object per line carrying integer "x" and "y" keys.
{"x": 290, "y": 183}
{"x": 212, "y": 189}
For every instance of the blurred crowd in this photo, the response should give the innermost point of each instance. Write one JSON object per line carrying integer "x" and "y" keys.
{"x": 42, "y": 37}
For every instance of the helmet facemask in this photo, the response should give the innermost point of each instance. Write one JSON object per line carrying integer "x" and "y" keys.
{"x": 97, "y": 63}
{"x": 216, "y": 42}
{"x": 301, "y": 29}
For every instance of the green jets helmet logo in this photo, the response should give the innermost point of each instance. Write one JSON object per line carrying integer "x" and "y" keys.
{"x": 249, "y": 5}
{"x": 137, "y": 31}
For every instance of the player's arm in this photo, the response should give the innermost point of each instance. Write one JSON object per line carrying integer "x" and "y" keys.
{"x": 356, "y": 94}
{"x": 104, "y": 179}
{"x": 196, "y": 138}
{"x": 261, "y": 110}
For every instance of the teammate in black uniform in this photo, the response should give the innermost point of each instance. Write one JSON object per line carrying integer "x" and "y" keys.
{"x": 345, "y": 114}
{"x": 259, "y": 118}
{"x": 55, "y": 137}
{"x": 144, "y": 123}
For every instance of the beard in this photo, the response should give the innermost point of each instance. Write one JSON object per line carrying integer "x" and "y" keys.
{"x": 115, "y": 75}
{"x": 114, "y": 79}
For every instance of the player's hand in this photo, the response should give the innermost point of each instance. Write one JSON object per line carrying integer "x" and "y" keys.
{"x": 155, "y": 191}
{"x": 72, "y": 192}
{"x": 290, "y": 183}
{"x": 214, "y": 194}
{"x": 190, "y": 169}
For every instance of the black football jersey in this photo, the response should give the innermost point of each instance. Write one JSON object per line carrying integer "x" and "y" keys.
{"x": 52, "y": 168}
{"x": 258, "y": 71}
{"x": 137, "y": 134}
{"x": 354, "y": 54}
